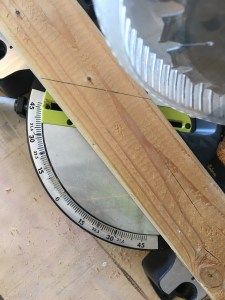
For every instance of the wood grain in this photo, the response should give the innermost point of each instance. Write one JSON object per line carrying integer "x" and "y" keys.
{"x": 70, "y": 57}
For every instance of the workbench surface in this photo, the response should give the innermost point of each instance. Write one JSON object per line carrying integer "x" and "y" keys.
{"x": 43, "y": 255}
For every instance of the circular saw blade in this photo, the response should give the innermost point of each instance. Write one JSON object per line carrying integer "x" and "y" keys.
{"x": 174, "y": 55}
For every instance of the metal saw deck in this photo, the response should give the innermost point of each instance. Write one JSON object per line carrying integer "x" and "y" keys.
{"x": 82, "y": 186}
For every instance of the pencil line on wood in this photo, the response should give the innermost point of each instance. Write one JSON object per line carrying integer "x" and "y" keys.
{"x": 95, "y": 88}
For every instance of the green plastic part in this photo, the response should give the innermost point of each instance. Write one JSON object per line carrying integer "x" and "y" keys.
{"x": 180, "y": 121}
{"x": 52, "y": 114}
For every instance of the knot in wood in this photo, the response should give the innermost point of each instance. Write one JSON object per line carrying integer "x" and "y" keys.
{"x": 211, "y": 277}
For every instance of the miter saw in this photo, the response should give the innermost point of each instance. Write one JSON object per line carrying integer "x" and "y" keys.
{"x": 155, "y": 42}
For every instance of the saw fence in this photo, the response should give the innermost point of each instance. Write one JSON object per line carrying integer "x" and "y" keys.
{"x": 70, "y": 57}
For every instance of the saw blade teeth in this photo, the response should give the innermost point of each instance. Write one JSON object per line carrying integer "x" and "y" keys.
{"x": 218, "y": 105}
{"x": 196, "y": 77}
{"x": 133, "y": 46}
{"x": 208, "y": 96}
{"x": 198, "y": 94}
{"x": 181, "y": 62}
{"x": 166, "y": 57}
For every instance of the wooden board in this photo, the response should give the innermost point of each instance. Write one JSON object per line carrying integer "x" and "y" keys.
{"x": 70, "y": 57}
{"x": 43, "y": 255}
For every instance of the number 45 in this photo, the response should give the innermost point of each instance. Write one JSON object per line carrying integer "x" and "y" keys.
{"x": 141, "y": 245}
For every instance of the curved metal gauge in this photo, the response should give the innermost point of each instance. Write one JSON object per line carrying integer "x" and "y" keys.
{"x": 82, "y": 186}
{"x": 173, "y": 48}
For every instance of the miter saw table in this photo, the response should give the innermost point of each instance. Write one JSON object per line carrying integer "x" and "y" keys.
{"x": 80, "y": 184}
{"x": 87, "y": 192}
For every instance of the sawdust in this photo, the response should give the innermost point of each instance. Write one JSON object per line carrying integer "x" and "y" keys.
{"x": 221, "y": 151}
